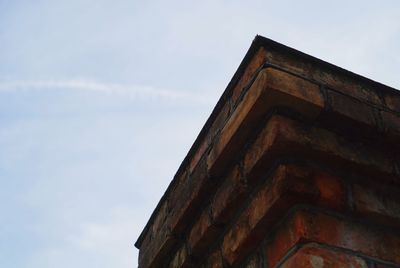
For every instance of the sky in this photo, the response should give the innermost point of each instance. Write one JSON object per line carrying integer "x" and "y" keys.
{"x": 101, "y": 100}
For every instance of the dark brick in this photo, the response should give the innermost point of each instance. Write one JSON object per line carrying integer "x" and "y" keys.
{"x": 313, "y": 256}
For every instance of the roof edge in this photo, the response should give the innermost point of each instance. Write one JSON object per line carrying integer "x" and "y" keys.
{"x": 261, "y": 41}
{"x": 203, "y": 132}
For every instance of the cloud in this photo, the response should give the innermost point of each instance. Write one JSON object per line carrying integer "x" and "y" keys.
{"x": 131, "y": 91}
{"x": 113, "y": 239}
{"x": 94, "y": 243}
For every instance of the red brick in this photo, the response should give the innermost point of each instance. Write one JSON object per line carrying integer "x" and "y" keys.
{"x": 291, "y": 184}
{"x": 288, "y": 186}
{"x": 322, "y": 228}
{"x": 257, "y": 60}
{"x": 214, "y": 260}
{"x": 285, "y": 137}
{"x": 313, "y": 256}
{"x": 393, "y": 101}
{"x": 301, "y": 95}
{"x": 254, "y": 261}
{"x": 350, "y": 114}
{"x": 218, "y": 122}
{"x": 391, "y": 123}
{"x": 181, "y": 259}
{"x": 344, "y": 83}
{"x": 261, "y": 152}
{"x": 153, "y": 256}
{"x": 202, "y": 234}
{"x": 239, "y": 125}
{"x": 157, "y": 225}
{"x": 377, "y": 203}
{"x": 332, "y": 192}
{"x": 198, "y": 155}
{"x": 272, "y": 88}
{"x": 158, "y": 240}
{"x": 379, "y": 265}
{"x": 179, "y": 206}
{"x": 189, "y": 197}
{"x": 229, "y": 196}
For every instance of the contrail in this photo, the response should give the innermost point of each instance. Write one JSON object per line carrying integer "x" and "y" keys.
{"x": 131, "y": 91}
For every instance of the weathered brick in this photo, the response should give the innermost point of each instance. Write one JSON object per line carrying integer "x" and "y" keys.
{"x": 349, "y": 114}
{"x": 381, "y": 204}
{"x": 198, "y": 154}
{"x": 229, "y": 196}
{"x": 272, "y": 88}
{"x": 219, "y": 122}
{"x": 181, "y": 258}
{"x": 153, "y": 256}
{"x": 255, "y": 261}
{"x": 291, "y": 184}
{"x": 285, "y": 137}
{"x": 288, "y": 186}
{"x": 392, "y": 101}
{"x": 331, "y": 190}
{"x": 158, "y": 240}
{"x": 381, "y": 265}
{"x": 180, "y": 209}
{"x": 313, "y": 256}
{"x": 256, "y": 62}
{"x": 157, "y": 225}
{"x": 190, "y": 196}
{"x": 307, "y": 226}
{"x": 264, "y": 150}
{"x": 203, "y": 233}
{"x": 239, "y": 125}
{"x": 214, "y": 260}
{"x": 391, "y": 124}
{"x": 326, "y": 75}
{"x": 298, "y": 94}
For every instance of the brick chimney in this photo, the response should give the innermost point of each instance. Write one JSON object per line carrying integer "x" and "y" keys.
{"x": 297, "y": 166}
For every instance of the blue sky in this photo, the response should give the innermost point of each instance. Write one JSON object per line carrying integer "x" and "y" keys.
{"x": 101, "y": 100}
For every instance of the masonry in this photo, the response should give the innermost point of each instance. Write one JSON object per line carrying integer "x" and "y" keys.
{"x": 297, "y": 166}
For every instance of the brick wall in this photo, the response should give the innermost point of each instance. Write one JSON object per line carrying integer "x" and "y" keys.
{"x": 297, "y": 166}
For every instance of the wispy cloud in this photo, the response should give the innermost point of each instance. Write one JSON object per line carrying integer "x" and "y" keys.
{"x": 131, "y": 91}
{"x": 83, "y": 243}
